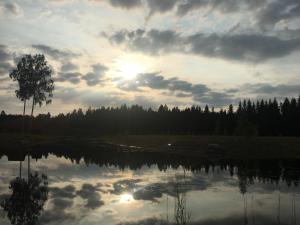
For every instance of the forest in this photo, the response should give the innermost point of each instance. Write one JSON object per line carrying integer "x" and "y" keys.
{"x": 250, "y": 118}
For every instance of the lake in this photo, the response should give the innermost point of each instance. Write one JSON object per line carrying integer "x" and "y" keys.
{"x": 137, "y": 188}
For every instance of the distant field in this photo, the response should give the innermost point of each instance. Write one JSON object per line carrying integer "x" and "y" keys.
{"x": 206, "y": 146}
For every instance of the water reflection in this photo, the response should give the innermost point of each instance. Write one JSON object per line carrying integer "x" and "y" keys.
{"x": 26, "y": 201}
{"x": 139, "y": 188}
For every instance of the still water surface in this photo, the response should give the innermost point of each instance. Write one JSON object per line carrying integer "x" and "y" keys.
{"x": 85, "y": 192}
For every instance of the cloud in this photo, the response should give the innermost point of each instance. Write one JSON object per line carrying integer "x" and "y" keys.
{"x": 72, "y": 77}
{"x": 61, "y": 204}
{"x": 55, "y": 53}
{"x": 69, "y": 66}
{"x": 186, "y": 6}
{"x": 269, "y": 89}
{"x": 179, "y": 88}
{"x": 96, "y": 76}
{"x": 4, "y": 54}
{"x": 89, "y": 192}
{"x": 127, "y": 185}
{"x": 65, "y": 192}
{"x": 277, "y": 11}
{"x": 223, "y": 6}
{"x": 5, "y": 57}
{"x": 254, "y": 48}
{"x": 126, "y": 4}
{"x": 151, "y": 42}
{"x": 10, "y": 8}
{"x": 158, "y": 6}
{"x": 152, "y": 192}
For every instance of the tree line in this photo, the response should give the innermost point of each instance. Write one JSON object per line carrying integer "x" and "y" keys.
{"x": 34, "y": 78}
{"x": 263, "y": 118}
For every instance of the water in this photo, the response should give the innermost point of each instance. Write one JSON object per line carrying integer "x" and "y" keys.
{"x": 145, "y": 189}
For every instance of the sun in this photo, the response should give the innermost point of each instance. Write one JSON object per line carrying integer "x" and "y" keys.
{"x": 129, "y": 70}
{"x": 126, "y": 198}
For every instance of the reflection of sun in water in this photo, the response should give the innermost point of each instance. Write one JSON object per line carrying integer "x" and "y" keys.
{"x": 128, "y": 70}
{"x": 126, "y": 198}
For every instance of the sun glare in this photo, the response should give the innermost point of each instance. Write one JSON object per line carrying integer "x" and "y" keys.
{"x": 126, "y": 198}
{"x": 129, "y": 70}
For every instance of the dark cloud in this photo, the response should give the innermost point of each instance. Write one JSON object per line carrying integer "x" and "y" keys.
{"x": 242, "y": 47}
{"x": 186, "y": 6}
{"x": 151, "y": 42}
{"x": 5, "y": 57}
{"x": 158, "y": 6}
{"x": 4, "y": 54}
{"x": 5, "y": 68}
{"x": 65, "y": 192}
{"x": 69, "y": 66}
{"x": 269, "y": 89}
{"x": 182, "y": 184}
{"x": 157, "y": 81}
{"x": 11, "y": 8}
{"x": 223, "y": 6}
{"x": 96, "y": 76}
{"x": 127, "y": 185}
{"x": 55, "y": 53}
{"x": 90, "y": 193}
{"x": 180, "y": 88}
{"x": 277, "y": 11}
{"x": 266, "y": 13}
{"x": 126, "y": 4}
{"x": 217, "y": 99}
{"x": 62, "y": 204}
{"x": 72, "y": 77}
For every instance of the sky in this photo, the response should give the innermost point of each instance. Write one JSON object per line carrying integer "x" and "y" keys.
{"x": 152, "y": 52}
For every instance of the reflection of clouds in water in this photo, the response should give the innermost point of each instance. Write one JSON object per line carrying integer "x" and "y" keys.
{"x": 89, "y": 193}
{"x": 61, "y": 203}
{"x": 81, "y": 194}
{"x": 57, "y": 216}
{"x": 65, "y": 192}
{"x": 229, "y": 220}
{"x": 127, "y": 185}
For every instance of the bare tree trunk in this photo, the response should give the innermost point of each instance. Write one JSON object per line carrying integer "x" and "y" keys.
{"x": 20, "y": 169}
{"x": 32, "y": 106}
{"x": 28, "y": 157}
{"x": 23, "y": 129}
{"x": 24, "y": 115}
{"x": 31, "y": 115}
{"x": 28, "y": 166}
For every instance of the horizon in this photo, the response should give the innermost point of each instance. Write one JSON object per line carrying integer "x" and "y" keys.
{"x": 170, "y": 108}
{"x": 148, "y": 52}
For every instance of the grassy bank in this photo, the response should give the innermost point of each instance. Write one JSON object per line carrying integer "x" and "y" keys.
{"x": 204, "y": 146}
{"x": 231, "y": 146}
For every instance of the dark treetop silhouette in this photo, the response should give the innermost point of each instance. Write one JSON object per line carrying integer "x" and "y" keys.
{"x": 34, "y": 80}
{"x": 251, "y": 118}
{"x": 26, "y": 202}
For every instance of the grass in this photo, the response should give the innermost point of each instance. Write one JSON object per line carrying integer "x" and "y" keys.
{"x": 230, "y": 146}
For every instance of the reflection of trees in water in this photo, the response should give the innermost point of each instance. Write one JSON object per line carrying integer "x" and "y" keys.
{"x": 294, "y": 219}
{"x": 181, "y": 215}
{"x": 26, "y": 202}
{"x": 247, "y": 170}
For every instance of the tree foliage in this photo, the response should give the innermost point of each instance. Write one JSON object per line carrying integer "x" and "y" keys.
{"x": 26, "y": 202}
{"x": 34, "y": 79}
